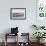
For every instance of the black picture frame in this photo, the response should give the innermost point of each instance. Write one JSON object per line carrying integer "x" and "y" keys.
{"x": 17, "y": 13}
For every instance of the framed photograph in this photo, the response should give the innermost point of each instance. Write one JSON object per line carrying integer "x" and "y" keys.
{"x": 17, "y": 13}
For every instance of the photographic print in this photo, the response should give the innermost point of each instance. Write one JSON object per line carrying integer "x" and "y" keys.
{"x": 17, "y": 13}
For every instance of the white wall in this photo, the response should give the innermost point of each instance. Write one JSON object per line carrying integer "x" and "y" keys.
{"x": 24, "y": 25}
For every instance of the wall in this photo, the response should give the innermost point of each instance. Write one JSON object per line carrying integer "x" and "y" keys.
{"x": 24, "y": 25}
